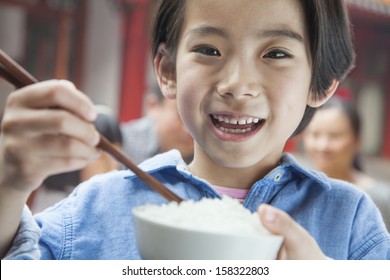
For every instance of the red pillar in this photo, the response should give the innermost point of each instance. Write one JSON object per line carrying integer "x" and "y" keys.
{"x": 135, "y": 50}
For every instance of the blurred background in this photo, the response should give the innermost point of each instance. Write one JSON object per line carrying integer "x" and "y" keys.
{"x": 103, "y": 47}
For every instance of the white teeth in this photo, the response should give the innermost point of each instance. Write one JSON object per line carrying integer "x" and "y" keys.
{"x": 234, "y": 131}
{"x": 242, "y": 121}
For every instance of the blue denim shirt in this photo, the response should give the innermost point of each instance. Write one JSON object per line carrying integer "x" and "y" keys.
{"x": 95, "y": 221}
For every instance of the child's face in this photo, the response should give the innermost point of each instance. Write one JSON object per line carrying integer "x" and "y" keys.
{"x": 242, "y": 61}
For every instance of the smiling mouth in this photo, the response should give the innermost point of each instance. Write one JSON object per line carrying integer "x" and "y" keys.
{"x": 235, "y": 125}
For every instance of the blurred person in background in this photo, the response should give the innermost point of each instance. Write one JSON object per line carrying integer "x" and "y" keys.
{"x": 57, "y": 187}
{"x": 332, "y": 142}
{"x": 158, "y": 131}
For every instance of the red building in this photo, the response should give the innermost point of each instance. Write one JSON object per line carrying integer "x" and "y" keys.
{"x": 370, "y": 80}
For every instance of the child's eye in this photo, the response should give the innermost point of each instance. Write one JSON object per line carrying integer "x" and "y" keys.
{"x": 209, "y": 51}
{"x": 277, "y": 54}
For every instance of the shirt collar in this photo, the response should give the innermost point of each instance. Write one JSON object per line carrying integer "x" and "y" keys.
{"x": 289, "y": 162}
{"x": 288, "y": 170}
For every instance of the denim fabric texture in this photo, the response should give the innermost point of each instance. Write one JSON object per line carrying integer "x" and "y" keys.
{"x": 95, "y": 221}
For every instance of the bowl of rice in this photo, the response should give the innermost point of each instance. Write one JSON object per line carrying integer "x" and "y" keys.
{"x": 213, "y": 229}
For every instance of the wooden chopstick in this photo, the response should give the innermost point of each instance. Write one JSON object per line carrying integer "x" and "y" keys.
{"x": 16, "y": 71}
{"x": 5, "y": 74}
{"x": 19, "y": 77}
{"x": 147, "y": 178}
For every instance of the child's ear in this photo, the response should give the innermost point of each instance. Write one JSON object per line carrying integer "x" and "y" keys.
{"x": 315, "y": 102}
{"x": 165, "y": 72}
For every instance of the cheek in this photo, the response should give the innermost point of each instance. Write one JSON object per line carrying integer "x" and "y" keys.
{"x": 344, "y": 140}
{"x": 345, "y": 146}
{"x": 186, "y": 102}
{"x": 190, "y": 93}
{"x": 288, "y": 108}
{"x": 290, "y": 92}
{"x": 309, "y": 144}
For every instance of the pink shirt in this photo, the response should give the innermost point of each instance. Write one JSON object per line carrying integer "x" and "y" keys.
{"x": 236, "y": 193}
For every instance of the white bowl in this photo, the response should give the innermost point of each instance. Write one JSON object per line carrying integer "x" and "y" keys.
{"x": 159, "y": 241}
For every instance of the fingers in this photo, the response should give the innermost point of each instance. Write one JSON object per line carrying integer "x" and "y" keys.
{"x": 46, "y": 129}
{"x": 60, "y": 147}
{"x": 30, "y": 162}
{"x": 54, "y": 93}
{"x": 53, "y": 107}
{"x": 298, "y": 243}
{"x": 33, "y": 123}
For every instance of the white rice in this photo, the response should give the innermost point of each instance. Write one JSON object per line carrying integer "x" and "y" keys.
{"x": 224, "y": 215}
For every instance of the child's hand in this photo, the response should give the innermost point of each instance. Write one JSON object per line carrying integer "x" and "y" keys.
{"x": 298, "y": 243}
{"x": 46, "y": 129}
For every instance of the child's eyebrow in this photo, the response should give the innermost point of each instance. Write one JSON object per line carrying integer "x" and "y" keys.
{"x": 282, "y": 32}
{"x": 204, "y": 30}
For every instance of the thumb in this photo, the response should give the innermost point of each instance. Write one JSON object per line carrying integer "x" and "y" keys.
{"x": 298, "y": 243}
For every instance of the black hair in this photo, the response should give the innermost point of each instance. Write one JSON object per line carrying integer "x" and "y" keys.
{"x": 330, "y": 38}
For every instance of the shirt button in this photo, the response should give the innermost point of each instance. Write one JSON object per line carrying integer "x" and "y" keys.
{"x": 277, "y": 177}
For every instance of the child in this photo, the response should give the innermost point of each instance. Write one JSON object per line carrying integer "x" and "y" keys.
{"x": 245, "y": 75}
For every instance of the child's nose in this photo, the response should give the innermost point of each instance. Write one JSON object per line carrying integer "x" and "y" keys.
{"x": 240, "y": 79}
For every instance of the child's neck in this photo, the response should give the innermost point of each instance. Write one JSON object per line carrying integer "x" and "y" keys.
{"x": 215, "y": 174}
